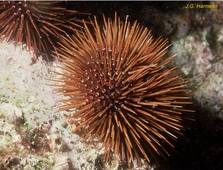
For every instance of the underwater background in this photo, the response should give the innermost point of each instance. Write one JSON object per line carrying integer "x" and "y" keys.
{"x": 34, "y": 135}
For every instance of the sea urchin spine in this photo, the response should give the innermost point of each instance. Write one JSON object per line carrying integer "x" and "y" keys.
{"x": 36, "y": 23}
{"x": 119, "y": 80}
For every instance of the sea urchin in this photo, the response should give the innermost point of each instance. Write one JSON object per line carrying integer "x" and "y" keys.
{"x": 35, "y": 23}
{"x": 119, "y": 79}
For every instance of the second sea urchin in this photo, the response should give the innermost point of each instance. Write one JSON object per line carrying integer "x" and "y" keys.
{"x": 119, "y": 79}
{"x": 35, "y": 23}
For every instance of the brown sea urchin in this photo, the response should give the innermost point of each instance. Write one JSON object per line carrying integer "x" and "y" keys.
{"x": 119, "y": 79}
{"x": 36, "y": 23}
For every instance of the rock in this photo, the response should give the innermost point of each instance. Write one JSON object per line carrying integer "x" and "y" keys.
{"x": 11, "y": 113}
{"x": 194, "y": 57}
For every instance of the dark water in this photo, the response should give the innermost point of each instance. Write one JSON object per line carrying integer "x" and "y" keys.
{"x": 135, "y": 11}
